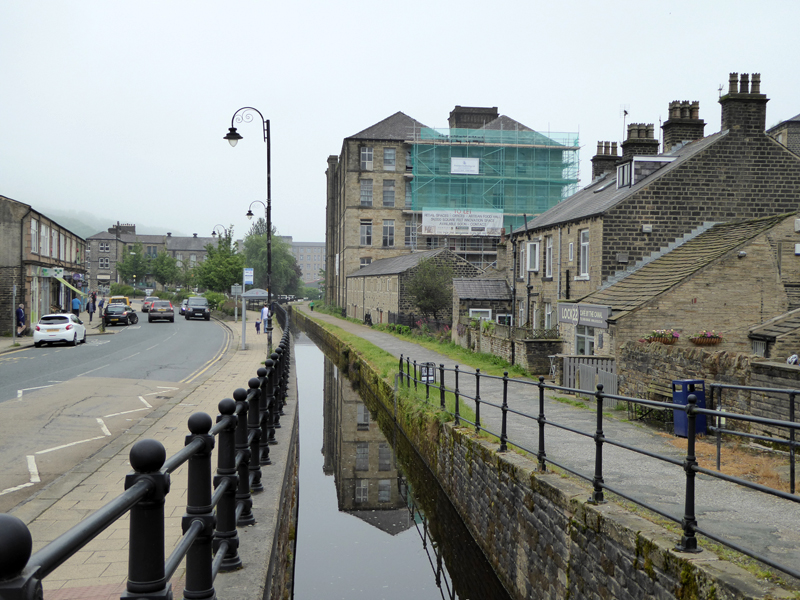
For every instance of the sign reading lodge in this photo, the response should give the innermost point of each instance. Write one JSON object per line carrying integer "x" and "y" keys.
{"x": 590, "y": 315}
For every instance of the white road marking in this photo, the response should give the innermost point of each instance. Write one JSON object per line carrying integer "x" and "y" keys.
{"x": 93, "y": 370}
{"x": 163, "y": 387}
{"x": 124, "y": 413}
{"x": 131, "y": 356}
{"x": 15, "y": 488}
{"x": 103, "y": 427}
{"x": 68, "y": 445}
{"x": 32, "y": 469}
{"x": 145, "y": 402}
{"x": 22, "y": 391}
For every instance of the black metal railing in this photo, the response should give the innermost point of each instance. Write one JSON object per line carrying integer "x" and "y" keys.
{"x": 244, "y": 430}
{"x": 408, "y": 371}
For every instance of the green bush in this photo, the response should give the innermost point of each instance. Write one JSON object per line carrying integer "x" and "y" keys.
{"x": 120, "y": 289}
{"x": 215, "y": 299}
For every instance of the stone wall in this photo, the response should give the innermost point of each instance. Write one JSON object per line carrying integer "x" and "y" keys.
{"x": 538, "y": 530}
{"x": 9, "y": 277}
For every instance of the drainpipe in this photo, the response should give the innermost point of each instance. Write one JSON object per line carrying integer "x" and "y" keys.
{"x": 558, "y": 295}
{"x": 23, "y": 275}
{"x": 513, "y": 295}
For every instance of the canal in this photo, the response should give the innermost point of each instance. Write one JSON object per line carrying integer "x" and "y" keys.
{"x": 373, "y": 522}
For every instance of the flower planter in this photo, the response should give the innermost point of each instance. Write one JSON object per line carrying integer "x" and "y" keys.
{"x": 664, "y": 340}
{"x": 705, "y": 341}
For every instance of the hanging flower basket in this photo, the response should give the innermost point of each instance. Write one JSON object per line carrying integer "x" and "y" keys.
{"x": 663, "y": 336}
{"x": 664, "y": 340}
{"x": 706, "y": 338}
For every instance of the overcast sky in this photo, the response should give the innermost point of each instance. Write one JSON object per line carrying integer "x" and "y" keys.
{"x": 119, "y": 108}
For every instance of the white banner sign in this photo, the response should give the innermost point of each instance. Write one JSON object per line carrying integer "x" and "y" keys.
{"x": 465, "y": 166}
{"x": 462, "y": 222}
{"x": 248, "y": 276}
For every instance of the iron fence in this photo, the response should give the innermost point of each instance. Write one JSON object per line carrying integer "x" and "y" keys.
{"x": 408, "y": 372}
{"x": 216, "y": 502}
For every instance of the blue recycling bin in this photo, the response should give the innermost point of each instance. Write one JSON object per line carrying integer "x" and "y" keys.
{"x": 680, "y": 395}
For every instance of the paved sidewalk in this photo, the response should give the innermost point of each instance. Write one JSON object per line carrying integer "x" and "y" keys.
{"x": 100, "y": 569}
{"x": 766, "y": 524}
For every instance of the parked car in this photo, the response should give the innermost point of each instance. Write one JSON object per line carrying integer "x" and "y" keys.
{"x": 161, "y": 309}
{"x": 197, "y": 308}
{"x": 120, "y": 313}
{"x": 59, "y": 328}
{"x": 183, "y": 306}
{"x": 147, "y": 302}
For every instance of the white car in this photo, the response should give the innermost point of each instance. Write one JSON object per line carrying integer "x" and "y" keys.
{"x": 59, "y": 328}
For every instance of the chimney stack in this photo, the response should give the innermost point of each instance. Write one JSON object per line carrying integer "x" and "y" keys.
{"x": 683, "y": 124}
{"x": 744, "y": 107}
{"x": 605, "y": 161}
{"x": 640, "y": 141}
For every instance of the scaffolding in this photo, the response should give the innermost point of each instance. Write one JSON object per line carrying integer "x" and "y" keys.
{"x": 519, "y": 171}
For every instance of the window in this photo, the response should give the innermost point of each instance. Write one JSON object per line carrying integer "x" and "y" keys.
{"x": 179, "y": 259}
{"x": 54, "y": 243}
{"x": 484, "y": 314}
{"x": 389, "y": 155}
{"x": 548, "y": 315}
{"x": 583, "y": 262}
{"x": 521, "y": 262}
{"x": 362, "y": 456}
{"x": 388, "y": 233}
{"x": 408, "y": 194}
{"x": 384, "y": 457}
{"x": 44, "y": 241}
{"x": 361, "y": 491}
{"x": 411, "y": 235}
{"x": 192, "y": 259}
{"x": 548, "y": 256}
{"x": 366, "y": 192}
{"x": 571, "y": 252}
{"x": 366, "y": 233}
{"x": 506, "y": 319}
{"x": 521, "y": 311}
{"x": 362, "y": 419}
{"x": 388, "y": 192}
{"x": 365, "y": 261}
{"x": 384, "y": 490}
{"x": 104, "y": 263}
{"x": 34, "y": 236}
{"x": 624, "y": 175}
{"x": 62, "y": 247}
{"x": 532, "y": 254}
{"x": 408, "y": 160}
{"x": 584, "y": 340}
{"x": 366, "y": 158}
{"x": 104, "y": 247}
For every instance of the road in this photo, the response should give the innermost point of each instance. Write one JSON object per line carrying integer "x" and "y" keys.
{"x": 61, "y": 404}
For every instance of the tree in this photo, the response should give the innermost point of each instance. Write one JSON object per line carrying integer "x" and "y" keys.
{"x": 134, "y": 263}
{"x": 164, "y": 268}
{"x": 286, "y": 274}
{"x": 431, "y": 286}
{"x": 258, "y": 228}
{"x": 223, "y": 265}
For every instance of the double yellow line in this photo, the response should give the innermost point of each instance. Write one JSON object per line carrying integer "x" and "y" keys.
{"x": 208, "y": 364}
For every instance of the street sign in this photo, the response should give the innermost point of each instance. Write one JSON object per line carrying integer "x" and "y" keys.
{"x": 248, "y": 276}
{"x": 236, "y": 290}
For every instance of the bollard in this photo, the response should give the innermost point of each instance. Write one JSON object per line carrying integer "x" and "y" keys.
{"x": 146, "y": 572}
{"x": 264, "y": 402}
{"x": 254, "y": 435}
{"x": 541, "y": 455}
{"x": 243, "y": 497}
{"x": 226, "y": 474}
{"x": 689, "y": 522}
{"x": 199, "y": 512}
{"x": 599, "y": 438}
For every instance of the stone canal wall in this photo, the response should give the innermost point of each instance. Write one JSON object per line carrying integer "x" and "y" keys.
{"x": 540, "y": 533}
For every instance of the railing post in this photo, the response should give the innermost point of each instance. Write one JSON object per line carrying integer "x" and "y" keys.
{"x": 408, "y": 371}
{"x": 504, "y": 409}
{"x": 146, "y": 571}
{"x": 401, "y": 368}
{"x": 477, "y": 400}
{"x": 226, "y": 471}
{"x": 441, "y": 385}
{"x": 16, "y": 543}
{"x": 264, "y": 405}
{"x": 455, "y": 392}
{"x": 791, "y": 443}
{"x": 243, "y": 496}
{"x": 276, "y": 380}
{"x": 689, "y": 522}
{"x": 541, "y": 455}
{"x": 254, "y": 435}
{"x": 415, "y": 374}
{"x": 599, "y": 438}
{"x": 199, "y": 577}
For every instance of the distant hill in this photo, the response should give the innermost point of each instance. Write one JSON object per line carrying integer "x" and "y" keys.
{"x": 86, "y": 224}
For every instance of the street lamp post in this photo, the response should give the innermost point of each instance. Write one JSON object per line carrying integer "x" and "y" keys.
{"x": 214, "y": 231}
{"x": 246, "y": 114}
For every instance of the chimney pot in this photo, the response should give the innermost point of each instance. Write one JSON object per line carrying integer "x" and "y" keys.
{"x": 695, "y": 110}
{"x": 600, "y": 148}
{"x": 744, "y": 84}
{"x": 733, "y": 83}
{"x": 194, "y": 234}
{"x": 755, "y": 84}
{"x": 614, "y": 148}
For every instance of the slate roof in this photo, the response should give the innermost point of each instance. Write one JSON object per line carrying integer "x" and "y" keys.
{"x": 507, "y": 124}
{"x": 482, "y": 289}
{"x": 397, "y": 127}
{"x": 668, "y": 271}
{"x": 775, "y": 328}
{"x": 602, "y": 194}
{"x": 398, "y": 264}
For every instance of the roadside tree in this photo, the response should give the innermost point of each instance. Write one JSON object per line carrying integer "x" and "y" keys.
{"x": 222, "y": 266}
{"x": 431, "y": 286}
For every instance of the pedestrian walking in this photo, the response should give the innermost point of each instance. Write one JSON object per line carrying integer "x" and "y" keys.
{"x": 20, "y": 320}
{"x": 76, "y": 306}
{"x": 311, "y": 305}
{"x": 258, "y": 326}
{"x": 100, "y": 306}
{"x": 90, "y": 308}
{"x": 265, "y": 315}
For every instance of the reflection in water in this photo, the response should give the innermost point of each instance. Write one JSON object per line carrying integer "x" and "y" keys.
{"x": 384, "y": 529}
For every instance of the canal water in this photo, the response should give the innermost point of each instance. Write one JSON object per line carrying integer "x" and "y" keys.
{"x": 373, "y": 522}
